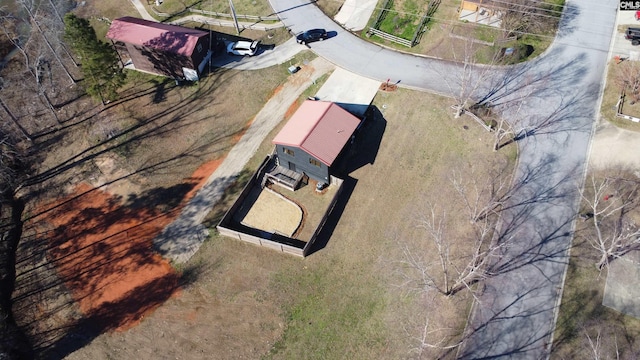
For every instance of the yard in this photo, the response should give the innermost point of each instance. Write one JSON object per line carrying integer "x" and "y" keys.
{"x": 447, "y": 37}
{"x": 345, "y": 300}
{"x": 235, "y": 300}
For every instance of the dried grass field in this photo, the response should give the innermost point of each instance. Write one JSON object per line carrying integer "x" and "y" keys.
{"x": 349, "y": 299}
{"x": 346, "y": 300}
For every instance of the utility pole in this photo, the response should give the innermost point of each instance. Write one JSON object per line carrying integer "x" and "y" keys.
{"x": 210, "y": 40}
{"x": 235, "y": 19}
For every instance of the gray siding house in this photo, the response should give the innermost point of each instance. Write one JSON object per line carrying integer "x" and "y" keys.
{"x": 314, "y": 137}
{"x": 298, "y": 160}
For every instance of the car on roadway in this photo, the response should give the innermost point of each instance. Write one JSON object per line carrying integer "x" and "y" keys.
{"x": 243, "y": 48}
{"x": 311, "y": 36}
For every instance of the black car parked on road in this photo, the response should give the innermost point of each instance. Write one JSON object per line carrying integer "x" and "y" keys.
{"x": 311, "y": 36}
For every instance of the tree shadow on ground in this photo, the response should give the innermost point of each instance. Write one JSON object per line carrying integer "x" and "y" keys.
{"x": 98, "y": 249}
{"x": 156, "y": 122}
{"x": 517, "y": 322}
{"x": 111, "y": 316}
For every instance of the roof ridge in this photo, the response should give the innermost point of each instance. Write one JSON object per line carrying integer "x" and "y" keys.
{"x": 331, "y": 103}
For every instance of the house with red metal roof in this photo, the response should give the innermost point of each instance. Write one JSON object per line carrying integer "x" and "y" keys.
{"x": 314, "y": 137}
{"x": 163, "y": 49}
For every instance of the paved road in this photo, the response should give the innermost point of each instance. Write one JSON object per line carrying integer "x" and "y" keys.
{"x": 555, "y": 100}
{"x": 267, "y": 56}
{"x": 516, "y": 314}
{"x": 364, "y": 58}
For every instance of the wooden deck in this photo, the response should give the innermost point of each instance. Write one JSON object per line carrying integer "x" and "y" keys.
{"x": 282, "y": 176}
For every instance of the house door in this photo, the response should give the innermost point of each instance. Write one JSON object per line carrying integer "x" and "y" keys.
{"x": 292, "y": 166}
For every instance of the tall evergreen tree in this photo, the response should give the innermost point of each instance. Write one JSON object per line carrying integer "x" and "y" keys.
{"x": 100, "y": 62}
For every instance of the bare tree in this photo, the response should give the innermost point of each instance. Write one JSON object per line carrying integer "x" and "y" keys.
{"x": 627, "y": 78}
{"x": 431, "y": 338}
{"x": 36, "y": 62}
{"x": 459, "y": 254}
{"x": 460, "y": 262}
{"x": 483, "y": 195}
{"x": 529, "y": 17}
{"x": 594, "y": 345}
{"x": 8, "y": 27}
{"x": 468, "y": 81}
{"x": 597, "y": 346}
{"x": 35, "y": 20}
{"x": 54, "y": 28}
{"x": 609, "y": 202}
{"x": 12, "y": 117}
{"x": 506, "y": 130}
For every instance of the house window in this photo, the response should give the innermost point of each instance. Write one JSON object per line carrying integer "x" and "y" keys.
{"x": 314, "y": 162}
{"x": 288, "y": 151}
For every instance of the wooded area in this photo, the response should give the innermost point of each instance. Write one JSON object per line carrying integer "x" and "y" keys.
{"x": 38, "y": 77}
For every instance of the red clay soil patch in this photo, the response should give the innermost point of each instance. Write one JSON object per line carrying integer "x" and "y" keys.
{"x": 277, "y": 90}
{"x": 102, "y": 248}
{"x": 240, "y": 134}
{"x": 201, "y": 175}
{"x": 388, "y": 87}
{"x": 291, "y": 110}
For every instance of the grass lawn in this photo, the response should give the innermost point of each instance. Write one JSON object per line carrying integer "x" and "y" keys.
{"x": 242, "y": 7}
{"x": 436, "y": 40}
{"x": 610, "y": 99}
{"x": 403, "y": 18}
{"x": 346, "y": 300}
